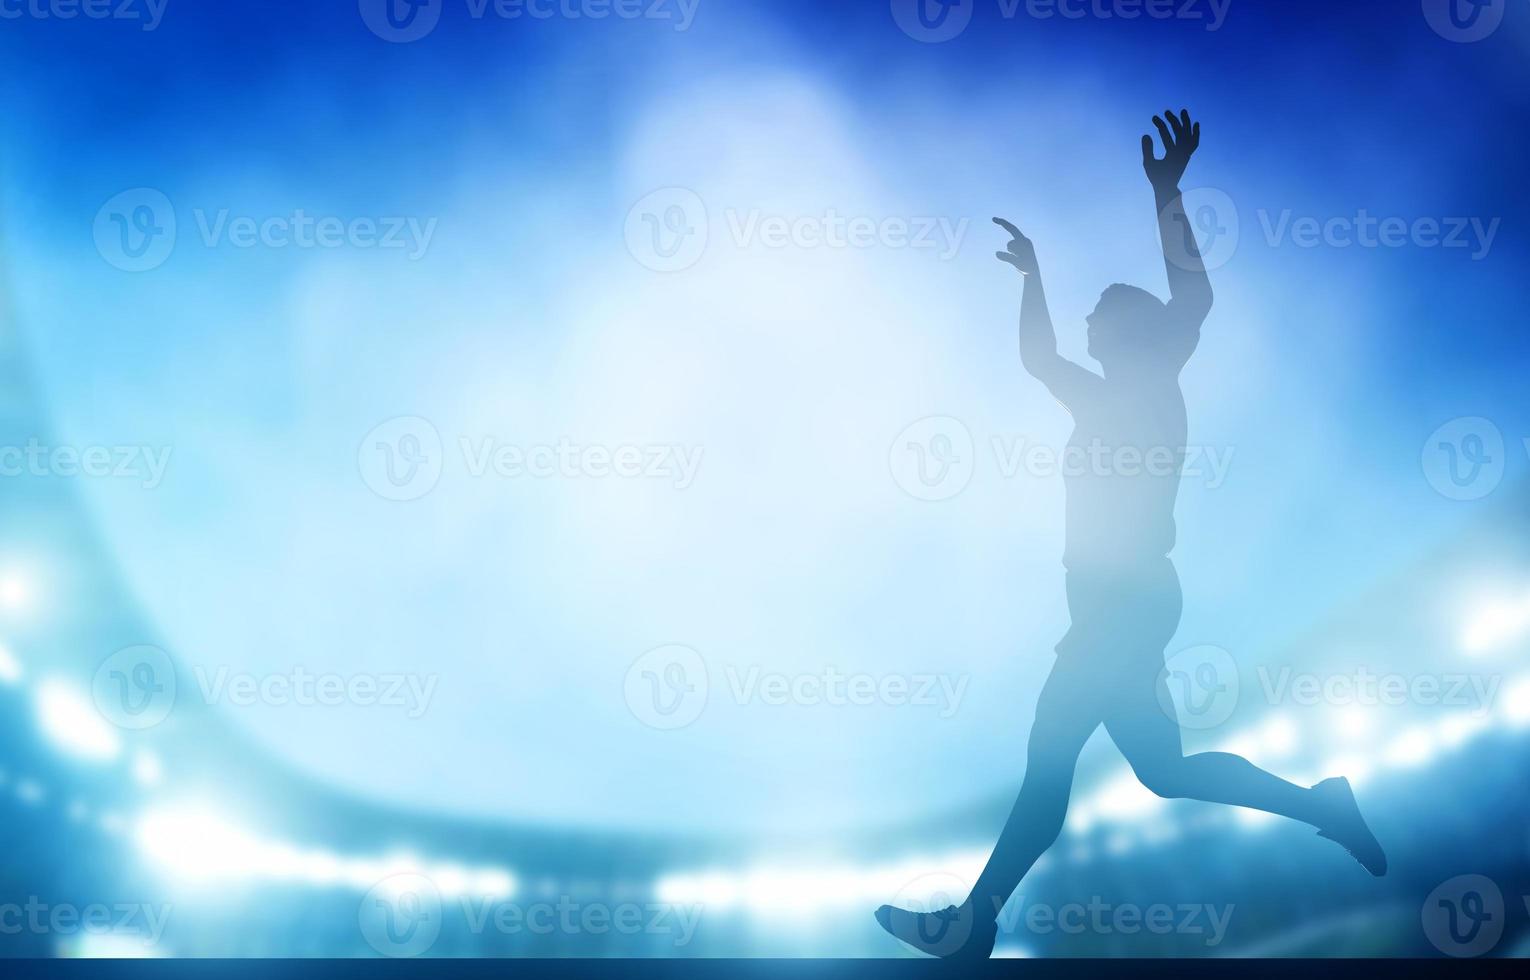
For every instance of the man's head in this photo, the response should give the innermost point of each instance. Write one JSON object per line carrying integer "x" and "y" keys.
{"x": 1123, "y": 326}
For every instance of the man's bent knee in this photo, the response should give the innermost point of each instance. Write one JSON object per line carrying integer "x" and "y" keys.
{"x": 1165, "y": 779}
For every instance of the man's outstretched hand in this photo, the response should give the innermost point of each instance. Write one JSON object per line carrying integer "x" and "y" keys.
{"x": 1180, "y": 137}
{"x": 1021, "y": 253}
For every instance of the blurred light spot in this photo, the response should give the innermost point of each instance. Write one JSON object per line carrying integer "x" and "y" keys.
{"x": 147, "y": 769}
{"x": 1495, "y": 623}
{"x": 195, "y": 842}
{"x": 107, "y": 945}
{"x": 1252, "y": 819}
{"x": 1278, "y": 736}
{"x": 15, "y": 591}
{"x": 1356, "y": 768}
{"x": 1458, "y": 729}
{"x": 914, "y": 881}
{"x": 1354, "y": 721}
{"x": 69, "y": 719}
{"x": 1414, "y": 747}
{"x": 1516, "y": 703}
{"x": 10, "y": 667}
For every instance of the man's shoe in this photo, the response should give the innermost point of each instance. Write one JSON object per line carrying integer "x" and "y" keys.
{"x": 951, "y": 933}
{"x": 1343, "y": 824}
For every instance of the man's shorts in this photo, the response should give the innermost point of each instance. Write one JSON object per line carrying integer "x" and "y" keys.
{"x": 1122, "y": 618}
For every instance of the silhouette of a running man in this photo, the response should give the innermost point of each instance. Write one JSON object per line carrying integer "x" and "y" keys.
{"x": 1123, "y": 592}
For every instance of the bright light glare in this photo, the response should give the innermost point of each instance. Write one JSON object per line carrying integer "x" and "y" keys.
{"x": 15, "y": 591}
{"x": 109, "y": 946}
{"x": 1278, "y": 736}
{"x": 72, "y": 722}
{"x": 1457, "y": 729}
{"x": 1355, "y": 768}
{"x": 1495, "y": 624}
{"x": 1415, "y": 747}
{"x": 1252, "y": 819}
{"x": 1354, "y": 721}
{"x": 196, "y": 843}
{"x": 1516, "y": 703}
{"x": 917, "y": 881}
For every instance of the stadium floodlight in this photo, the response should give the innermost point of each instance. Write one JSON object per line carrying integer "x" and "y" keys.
{"x": 492, "y": 883}
{"x": 798, "y": 889}
{"x": 90, "y": 944}
{"x": 451, "y": 880}
{"x": 71, "y": 722}
{"x": 194, "y": 842}
{"x": 716, "y": 890}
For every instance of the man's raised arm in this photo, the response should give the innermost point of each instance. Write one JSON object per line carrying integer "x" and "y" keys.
{"x": 1189, "y": 286}
{"x": 1068, "y": 382}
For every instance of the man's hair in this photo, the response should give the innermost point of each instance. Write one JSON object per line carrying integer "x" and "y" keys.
{"x": 1133, "y": 303}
